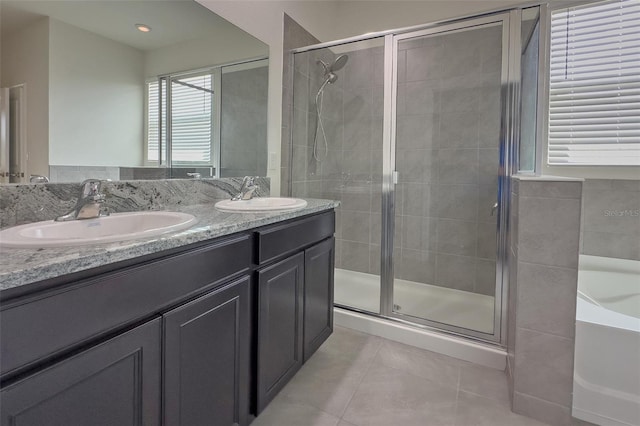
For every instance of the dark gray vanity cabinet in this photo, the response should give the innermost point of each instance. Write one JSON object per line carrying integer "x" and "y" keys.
{"x": 280, "y": 326}
{"x": 206, "y": 359}
{"x": 199, "y": 335}
{"x": 318, "y": 295}
{"x": 116, "y": 382}
{"x": 295, "y": 299}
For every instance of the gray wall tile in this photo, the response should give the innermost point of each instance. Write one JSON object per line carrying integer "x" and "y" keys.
{"x": 457, "y": 166}
{"x": 457, "y": 272}
{"x": 355, "y": 256}
{"x": 547, "y": 299}
{"x": 487, "y": 241}
{"x": 544, "y": 366}
{"x": 355, "y": 226}
{"x": 608, "y": 244}
{"x": 485, "y": 277}
{"x": 457, "y": 237}
{"x": 549, "y": 231}
{"x": 542, "y": 410}
{"x": 416, "y": 265}
{"x": 454, "y": 201}
{"x": 611, "y": 218}
{"x": 550, "y": 189}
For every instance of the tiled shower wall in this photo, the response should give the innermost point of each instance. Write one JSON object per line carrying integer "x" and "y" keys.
{"x": 350, "y": 170}
{"x": 448, "y": 133}
{"x": 294, "y": 35}
{"x": 243, "y": 123}
{"x": 448, "y": 122}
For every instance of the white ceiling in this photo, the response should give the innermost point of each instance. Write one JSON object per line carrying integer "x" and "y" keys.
{"x": 172, "y": 21}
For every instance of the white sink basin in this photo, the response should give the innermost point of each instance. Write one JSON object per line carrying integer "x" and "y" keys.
{"x": 116, "y": 227}
{"x": 261, "y": 204}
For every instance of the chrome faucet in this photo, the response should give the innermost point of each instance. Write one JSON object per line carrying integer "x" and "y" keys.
{"x": 247, "y": 189}
{"x": 89, "y": 204}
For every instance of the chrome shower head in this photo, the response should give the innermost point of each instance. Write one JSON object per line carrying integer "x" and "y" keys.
{"x": 339, "y": 63}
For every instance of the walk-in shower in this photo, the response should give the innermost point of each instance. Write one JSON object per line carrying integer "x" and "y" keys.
{"x": 417, "y": 142}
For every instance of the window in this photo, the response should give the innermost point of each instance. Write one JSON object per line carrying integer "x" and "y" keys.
{"x": 153, "y": 121}
{"x": 190, "y": 115}
{"x": 594, "y": 85}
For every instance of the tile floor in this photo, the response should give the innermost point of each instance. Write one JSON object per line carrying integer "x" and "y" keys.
{"x": 356, "y": 379}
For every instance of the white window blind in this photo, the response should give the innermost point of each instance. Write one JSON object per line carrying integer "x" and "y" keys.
{"x": 153, "y": 120}
{"x": 594, "y": 98}
{"x": 192, "y": 119}
{"x": 191, "y": 111}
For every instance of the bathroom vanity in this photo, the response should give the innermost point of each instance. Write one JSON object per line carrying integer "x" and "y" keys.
{"x": 205, "y": 331}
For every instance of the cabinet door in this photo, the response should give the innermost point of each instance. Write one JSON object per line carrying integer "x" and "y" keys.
{"x": 206, "y": 365}
{"x": 280, "y": 292}
{"x": 114, "y": 383}
{"x": 318, "y": 295}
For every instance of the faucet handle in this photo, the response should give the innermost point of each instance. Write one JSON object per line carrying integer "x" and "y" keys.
{"x": 38, "y": 179}
{"x": 91, "y": 187}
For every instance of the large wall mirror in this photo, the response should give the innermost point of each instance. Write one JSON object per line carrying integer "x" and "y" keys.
{"x": 129, "y": 90}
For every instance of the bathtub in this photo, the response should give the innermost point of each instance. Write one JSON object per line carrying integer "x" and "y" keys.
{"x": 606, "y": 387}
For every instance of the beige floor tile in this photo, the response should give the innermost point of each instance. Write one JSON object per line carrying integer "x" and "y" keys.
{"x": 486, "y": 382}
{"x": 425, "y": 364}
{"x": 388, "y": 396}
{"x": 285, "y": 412}
{"x": 474, "y": 410}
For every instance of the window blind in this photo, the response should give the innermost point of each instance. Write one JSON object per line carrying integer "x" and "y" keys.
{"x": 191, "y": 119}
{"x": 594, "y": 98}
{"x": 153, "y": 122}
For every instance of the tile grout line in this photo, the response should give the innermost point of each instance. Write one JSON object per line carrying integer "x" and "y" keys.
{"x": 455, "y": 407}
{"x": 571, "y": 338}
{"x": 341, "y": 417}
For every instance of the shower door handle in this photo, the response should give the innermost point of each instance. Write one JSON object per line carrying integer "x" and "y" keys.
{"x": 494, "y": 209}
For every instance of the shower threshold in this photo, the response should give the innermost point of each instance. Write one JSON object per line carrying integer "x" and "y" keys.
{"x": 455, "y": 307}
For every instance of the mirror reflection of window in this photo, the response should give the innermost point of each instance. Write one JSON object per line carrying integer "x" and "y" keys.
{"x": 190, "y": 108}
{"x": 191, "y": 111}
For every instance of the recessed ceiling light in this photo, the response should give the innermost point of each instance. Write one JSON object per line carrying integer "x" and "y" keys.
{"x": 144, "y": 28}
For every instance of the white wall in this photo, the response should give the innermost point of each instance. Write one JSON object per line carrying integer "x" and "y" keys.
{"x": 25, "y": 60}
{"x": 202, "y": 53}
{"x": 96, "y": 99}
{"x": 359, "y": 17}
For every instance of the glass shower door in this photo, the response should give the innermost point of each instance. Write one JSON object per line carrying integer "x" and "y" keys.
{"x": 448, "y": 109}
{"x": 336, "y": 152}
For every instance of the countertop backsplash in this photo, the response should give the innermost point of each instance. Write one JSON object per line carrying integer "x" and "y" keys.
{"x": 25, "y": 266}
{"x": 28, "y": 203}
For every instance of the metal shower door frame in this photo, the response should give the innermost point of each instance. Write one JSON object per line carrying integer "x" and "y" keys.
{"x": 509, "y": 132}
{"x": 510, "y": 77}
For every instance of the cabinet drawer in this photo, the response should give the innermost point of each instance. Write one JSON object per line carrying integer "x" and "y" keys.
{"x": 42, "y": 326}
{"x": 290, "y": 237}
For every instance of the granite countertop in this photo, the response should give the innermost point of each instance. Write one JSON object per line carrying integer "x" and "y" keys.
{"x": 25, "y": 266}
